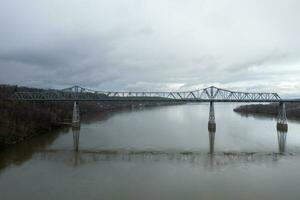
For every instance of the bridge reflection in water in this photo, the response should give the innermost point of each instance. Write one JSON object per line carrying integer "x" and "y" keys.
{"x": 78, "y": 156}
{"x": 211, "y": 136}
{"x": 281, "y": 135}
{"x": 281, "y": 138}
{"x": 76, "y": 135}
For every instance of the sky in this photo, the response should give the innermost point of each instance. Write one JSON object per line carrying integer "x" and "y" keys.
{"x": 152, "y": 45}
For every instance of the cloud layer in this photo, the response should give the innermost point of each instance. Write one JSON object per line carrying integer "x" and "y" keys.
{"x": 152, "y": 44}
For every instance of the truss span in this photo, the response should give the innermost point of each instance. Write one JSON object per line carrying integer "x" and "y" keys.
{"x": 77, "y": 93}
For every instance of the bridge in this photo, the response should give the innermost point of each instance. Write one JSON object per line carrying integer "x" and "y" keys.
{"x": 210, "y": 94}
{"x": 77, "y": 93}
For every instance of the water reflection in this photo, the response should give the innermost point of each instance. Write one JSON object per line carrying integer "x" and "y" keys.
{"x": 136, "y": 146}
{"x": 281, "y": 136}
{"x": 211, "y": 136}
{"x": 214, "y": 161}
{"x": 76, "y": 159}
{"x": 257, "y": 116}
{"x": 76, "y": 134}
{"x": 19, "y": 153}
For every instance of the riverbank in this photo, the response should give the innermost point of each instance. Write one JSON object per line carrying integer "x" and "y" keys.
{"x": 20, "y": 121}
{"x": 292, "y": 110}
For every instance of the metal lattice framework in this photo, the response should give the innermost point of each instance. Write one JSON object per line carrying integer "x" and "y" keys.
{"x": 77, "y": 93}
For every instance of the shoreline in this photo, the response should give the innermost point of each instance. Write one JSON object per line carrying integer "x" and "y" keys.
{"x": 269, "y": 110}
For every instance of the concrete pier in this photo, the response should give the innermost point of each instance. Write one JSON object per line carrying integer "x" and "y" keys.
{"x": 76, "y": 116}
{"x": 211, "y": 119}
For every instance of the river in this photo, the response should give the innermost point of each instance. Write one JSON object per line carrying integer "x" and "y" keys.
{"x": 157, "y": 153}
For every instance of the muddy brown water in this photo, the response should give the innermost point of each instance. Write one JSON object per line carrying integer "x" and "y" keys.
{"x": 158, "y": 153}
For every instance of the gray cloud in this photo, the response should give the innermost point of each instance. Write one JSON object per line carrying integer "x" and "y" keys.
{"x": 151, "y": 45}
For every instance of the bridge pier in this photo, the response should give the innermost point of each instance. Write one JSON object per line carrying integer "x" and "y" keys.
{"x": 76, "y": 116}
{"x": 211, "y": 119}
{"x": 282, "y": 124}
{"x": 76, "y": 134}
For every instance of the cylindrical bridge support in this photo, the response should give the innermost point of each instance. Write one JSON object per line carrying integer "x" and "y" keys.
{"x": 211, "y": 119}
{"x": 76, "y": 116}
{"x": 282, "y": 124}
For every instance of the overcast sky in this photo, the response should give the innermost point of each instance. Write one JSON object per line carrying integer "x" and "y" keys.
{"x": 148, "y": 45}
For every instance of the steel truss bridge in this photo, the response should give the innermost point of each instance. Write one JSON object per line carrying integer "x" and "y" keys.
{"x": 210, "y": 94}
{"x": 77, "y": 93}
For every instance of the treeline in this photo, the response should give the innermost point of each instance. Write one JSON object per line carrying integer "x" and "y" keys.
{"x": 22, "y": 120}
{"x": 292, "y": 109}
